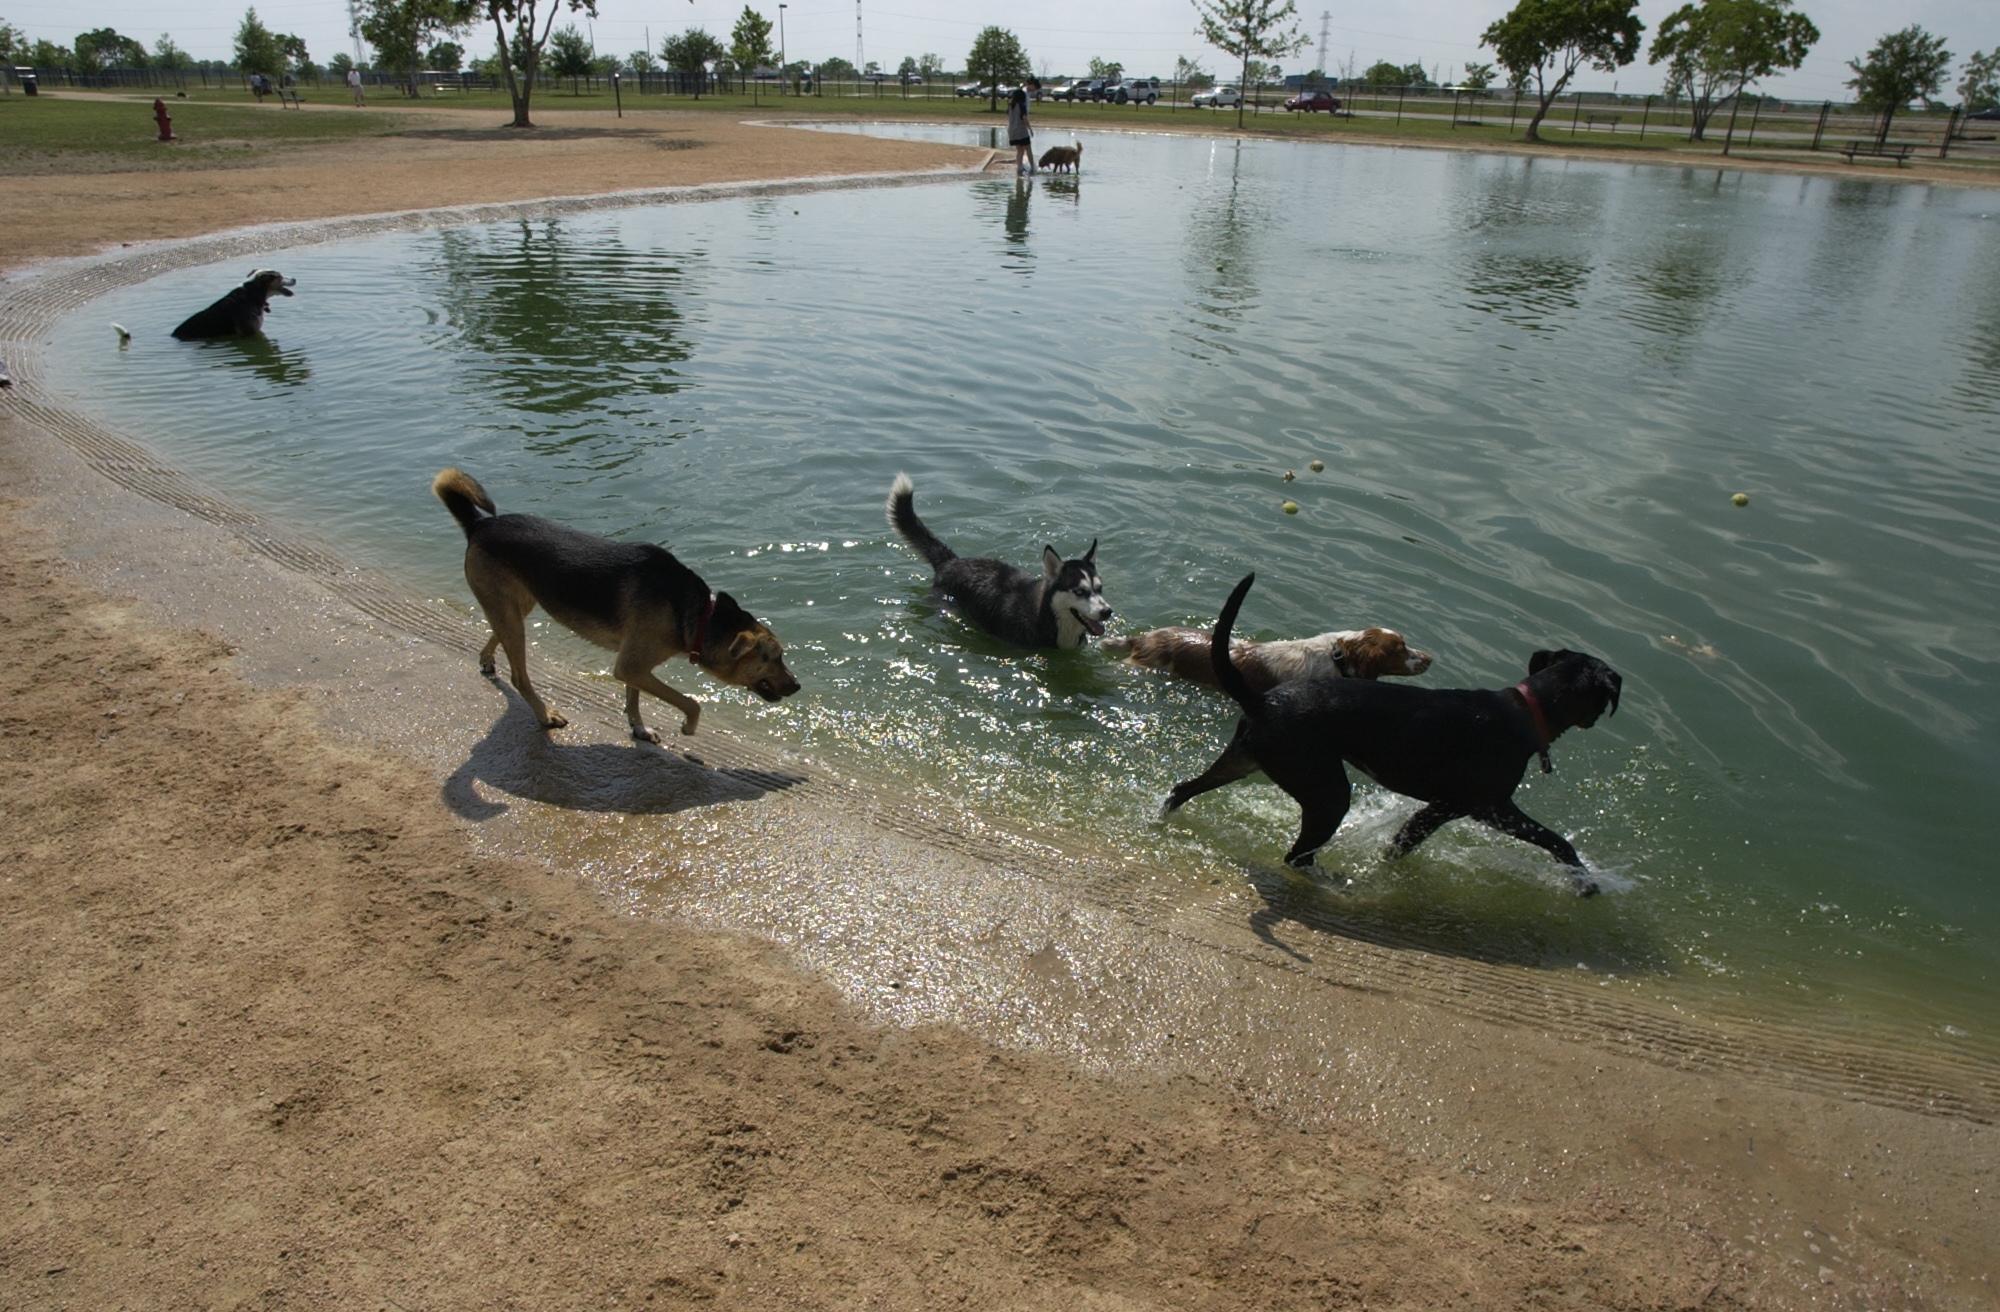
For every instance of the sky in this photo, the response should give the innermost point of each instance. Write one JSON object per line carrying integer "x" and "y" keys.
{"x": 1061, "y": 36}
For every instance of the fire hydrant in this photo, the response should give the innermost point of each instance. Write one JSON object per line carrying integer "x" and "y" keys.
{"x": 164, "y": 119}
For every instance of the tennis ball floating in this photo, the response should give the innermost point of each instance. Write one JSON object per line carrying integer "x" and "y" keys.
{"x": 1740, "y": 499}
{"x": 1291, "y": 507}
{"x": 1317, "y": 466}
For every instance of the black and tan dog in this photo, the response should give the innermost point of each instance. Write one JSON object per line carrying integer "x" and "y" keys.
{"x": 1058, "y": 159}
{"x": 632, "y": 598}
{"x": 1460, "y": 751}
{"x": 241, "y": 312}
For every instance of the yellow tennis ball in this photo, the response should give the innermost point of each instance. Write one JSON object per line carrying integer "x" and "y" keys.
{"x": 1291, "y": 507}
{"x": 1740, "y": 499}
{"x": 1317, "y": 466}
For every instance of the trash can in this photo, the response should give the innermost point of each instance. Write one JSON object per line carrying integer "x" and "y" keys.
{"x": 26, "y": 77}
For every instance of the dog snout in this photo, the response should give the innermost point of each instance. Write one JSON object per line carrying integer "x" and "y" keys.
{"x": 1419, "y": 661}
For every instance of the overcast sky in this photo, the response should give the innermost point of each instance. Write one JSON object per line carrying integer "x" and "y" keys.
{"x": 1061, "y": 36}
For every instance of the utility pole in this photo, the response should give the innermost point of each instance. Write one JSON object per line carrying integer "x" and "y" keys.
{"x": 858, "y": 65}
{"x": 783, "y": 77}
{"x": 1325, "y": 19}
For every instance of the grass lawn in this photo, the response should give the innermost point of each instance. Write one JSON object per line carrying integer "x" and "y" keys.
{"x": 39, "y": 131}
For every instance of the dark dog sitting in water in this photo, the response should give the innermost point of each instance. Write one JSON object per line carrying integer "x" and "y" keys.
{"x": 1460, "y": 751}
{"x": 239, "y": 314}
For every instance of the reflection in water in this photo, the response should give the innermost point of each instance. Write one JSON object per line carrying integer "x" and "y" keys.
{"x": 561, "y": 322}
{"x": 1528, "y": 291}
{"x": 1522, "y": 262}
{"x": 1220, "y": 232}
{"x": 1678, "y": 281}
{"x": 1017, "y": 212}
{"x": 262, "y": 357}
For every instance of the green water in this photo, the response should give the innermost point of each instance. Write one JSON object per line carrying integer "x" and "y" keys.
{"x": 1534, "y": 384}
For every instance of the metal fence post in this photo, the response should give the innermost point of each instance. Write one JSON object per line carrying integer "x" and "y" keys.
{"x": 1819, "y": 128}
{"x": 1399, "y": 105}
{"x": 1645, "y": 114}
{"x": 1950, "y": 127}
{"x": 1575, "y": 108}
{"x": 1750, "y": 138}
{"x": 1515, "y": 110}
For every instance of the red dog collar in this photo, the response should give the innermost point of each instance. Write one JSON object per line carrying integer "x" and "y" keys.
{"x": 701, "y": 631}
{"x": 1541, "y": 726}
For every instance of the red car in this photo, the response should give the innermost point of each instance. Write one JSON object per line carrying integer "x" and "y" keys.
{"x": 1312, "y": 100}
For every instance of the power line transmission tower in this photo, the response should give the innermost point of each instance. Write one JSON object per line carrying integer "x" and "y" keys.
{"x": 1325, "y": 19}
{"x": 354, "y": 27}
{"x": 858, "y": 65}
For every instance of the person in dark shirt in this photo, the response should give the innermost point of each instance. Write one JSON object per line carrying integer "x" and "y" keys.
{"x": 1019, "y": 135}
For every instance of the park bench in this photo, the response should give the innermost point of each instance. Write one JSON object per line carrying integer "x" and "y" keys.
{"x": 290, "y": 96}
{"x": 1597, "y": 120}
{"x": 1896, "y": 150}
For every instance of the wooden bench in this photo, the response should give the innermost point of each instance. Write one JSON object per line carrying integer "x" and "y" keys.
{"x": 1596, "y": 120}
{"x": 1897, "y": 150}
{"x": 290, "y": 96}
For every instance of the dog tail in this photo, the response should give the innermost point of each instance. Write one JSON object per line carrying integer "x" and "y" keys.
{"x": 463, "y": 497}
{"x": 1227, "y": 676}
{"x": 903, "y": 518}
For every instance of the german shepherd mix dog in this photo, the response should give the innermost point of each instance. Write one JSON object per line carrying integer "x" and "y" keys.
{"x": 241, "y": 312}
{"x": 632, "y": 598}
{"x": 1462, "y": 752}
{"x": 1058, "y": 158}
{"x": 1063, "y": 606}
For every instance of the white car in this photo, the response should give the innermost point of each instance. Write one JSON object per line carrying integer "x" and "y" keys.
{"x": 1219, "y": 98}
{"x": 1138, "y": 90}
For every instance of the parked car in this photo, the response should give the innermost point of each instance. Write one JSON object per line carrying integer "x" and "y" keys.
{"x": 980, "y": 89}
{"x": 912, "y": 80}
{"x": 1091, "y": 89}
{"x": 1308, "y": 101}
{"x": 1988, "y": 114}
{"x": 1217, "y": 98}
{"x": 1138, "y": 90}
{"x": 1066, "y": 90}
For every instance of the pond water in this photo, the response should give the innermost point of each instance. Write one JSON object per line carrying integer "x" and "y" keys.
{"x": 1534, "y": 385}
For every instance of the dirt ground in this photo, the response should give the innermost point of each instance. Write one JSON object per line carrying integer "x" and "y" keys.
{"x": 278, "y": 1037}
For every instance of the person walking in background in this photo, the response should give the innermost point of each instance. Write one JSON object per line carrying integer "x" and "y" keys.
{"x": 1019, "y": 135}
{"x": 354, "y": 84}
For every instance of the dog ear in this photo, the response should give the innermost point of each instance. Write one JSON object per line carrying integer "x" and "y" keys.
{"x": 1090, "y": 556}
{"x": 1541, "y": 660}
{"x": 1051, "y": 563}
{"x": 1613, "y": 683}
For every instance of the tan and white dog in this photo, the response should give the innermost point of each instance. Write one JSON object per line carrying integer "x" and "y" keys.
{"x": 1348, "y": 653}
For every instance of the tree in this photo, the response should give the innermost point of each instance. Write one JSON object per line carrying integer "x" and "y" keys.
{"x": 1414, "y": 76}
{"x": 1715, "y": 49}
{"x": 1478, "y": 77}
{"x": 996, "y": 57}
{"x": 1549, "y": 40}
{"x": 1190, "y": 73}
{"x": 105, "y": 48}
{"x": 871, "y": 69}
{"x": 569, "y": 56}
{"x": 690, "y": 54}
{"x": 1249, "y": 29}
{"x": 400, "y": 29}
{"x": 257, "y": 49}
{"x": 170, "y": 57}
{"x": 1980, "y": 87}
{"x": 1902, "y": 66}
{"x": 1106, "y": 68}
{"x": 13, "y": 42}
{"x": 521, "y": 48}
{"x": 836, "y": 69}
{"x": 1382, "y": 73}
{"x": 337, "y": 66}
{"x": 445, "y": 57}
{"x": 47, "y": 54}
{"x": 930, "y": 67}
{"x": 641, "y": 61}
{"x": 750, "y": 41}
{"x": 907, "y": 69}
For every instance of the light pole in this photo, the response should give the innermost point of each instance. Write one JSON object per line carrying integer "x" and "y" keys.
{"x": 781, "y": 45}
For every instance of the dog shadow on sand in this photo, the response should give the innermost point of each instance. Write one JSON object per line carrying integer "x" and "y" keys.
{"x": 521, "y": 759}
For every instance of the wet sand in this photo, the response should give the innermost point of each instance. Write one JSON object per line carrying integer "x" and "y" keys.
{"x": 303, "y": 1021}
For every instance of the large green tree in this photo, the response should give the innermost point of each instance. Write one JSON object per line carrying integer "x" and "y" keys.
{"x": 1715, "y": 49}
{"x": 105, "y": 48}
{"x": 690, "y": 54}
{"x": 445, "y": 57}
{"x": 168, "y": 56}
{"x": 1478, "y": 77}
{"x": 1382, "y": 73}
{"x": 523, "y": 27}
{"x": 13, "y": 42}
{"x": 1546, "y": 41}
{"x": 1250, "y": 30}
{"x": 997, "y": 56}
{"x": 400, "y": 30}
{"x": 1980, "y": 87}
{"x": 1902, "y": 66}
{"x": 750, "y": 41}
{"x": 569, "y": 56}
{"x": 257, "y": 48}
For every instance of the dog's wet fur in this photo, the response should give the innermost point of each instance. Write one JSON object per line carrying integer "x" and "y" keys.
{"x": 241, "y": 312}
{"x": 1460, "y": 751}
{"x": 631, "y": 598}
{"x": 1059, "y": 159}
{"x": 1063, "y": 606}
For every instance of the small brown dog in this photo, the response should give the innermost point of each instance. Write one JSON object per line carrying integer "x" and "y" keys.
{"x": 632, "y": 598}
{"x": 1348, "y": 653}
{"x": 1056, "y": 159}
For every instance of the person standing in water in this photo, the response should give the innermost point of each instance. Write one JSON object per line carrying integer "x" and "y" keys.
{"x": 1019, "y": 136}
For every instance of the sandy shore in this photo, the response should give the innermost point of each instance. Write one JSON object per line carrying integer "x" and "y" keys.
{"x": 283, "y": 1035}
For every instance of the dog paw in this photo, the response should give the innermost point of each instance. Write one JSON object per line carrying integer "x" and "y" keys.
{"x": 687, "y": 725}
{"x": 488, "y": 669}
{"x": 642, "y": 734}
{"x": 555, "y": 722}
{"x": 1587, "y": 887}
